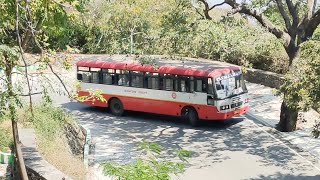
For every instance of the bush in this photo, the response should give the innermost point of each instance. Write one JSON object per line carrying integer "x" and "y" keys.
{"x": 173, "y": 28}
{"x": 48, "y": 120}
{"x": 6, "y": 139}
{"x": 150, "y": 166}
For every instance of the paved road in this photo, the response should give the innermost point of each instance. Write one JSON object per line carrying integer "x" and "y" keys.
{"x": 234, "y": 149}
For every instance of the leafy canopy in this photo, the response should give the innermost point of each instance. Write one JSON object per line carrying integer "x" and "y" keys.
{"x": 302, "y": 85}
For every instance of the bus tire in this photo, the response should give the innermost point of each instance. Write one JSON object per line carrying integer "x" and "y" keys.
{"x": 116, "y": 107}
{"x": 192, "y": 116}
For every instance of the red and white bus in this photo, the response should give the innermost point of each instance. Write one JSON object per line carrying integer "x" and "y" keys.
{"x": 191, "y": 88}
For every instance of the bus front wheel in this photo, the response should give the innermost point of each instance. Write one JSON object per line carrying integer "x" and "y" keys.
{"x": 116, "y": 107}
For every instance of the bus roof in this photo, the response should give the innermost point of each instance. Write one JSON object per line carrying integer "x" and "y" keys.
{"x": 183, "y": 66}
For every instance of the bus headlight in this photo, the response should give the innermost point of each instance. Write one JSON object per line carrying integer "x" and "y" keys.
{"x": 225, "y": 107}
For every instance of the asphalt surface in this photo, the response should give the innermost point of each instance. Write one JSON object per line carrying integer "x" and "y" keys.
{"x": 238, "y": 148}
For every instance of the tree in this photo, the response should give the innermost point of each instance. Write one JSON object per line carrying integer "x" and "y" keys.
{"x": 299, "y": 20}
{"x": 9, "y": 58}
{"x": 23, "y": 22}
{"x": 302, "y": 83}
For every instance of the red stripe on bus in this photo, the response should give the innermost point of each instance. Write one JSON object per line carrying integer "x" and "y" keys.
{"x": 205, "y": 112}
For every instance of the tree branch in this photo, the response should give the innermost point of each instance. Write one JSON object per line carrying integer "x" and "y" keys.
{"x": 289, "y": 42}
{"x": 283, "y": 14}
{"x": 22, "y": 54}
{"x": 48, "y": 63}
{"x": 64, "y": 86}
{"x": 294, "y": 13}
{"x": 206, "y": 9}
{"x": 30, "y": 94}
{"x": 311, "y": 8}
{"x": 260, "y": 18}
{"x": 312, "y": 24}
{"x": 199, "y": 13}
{"x": 30, "y": 64}
{"x": 220, "y": 4}
{"x": 3, "y": 79}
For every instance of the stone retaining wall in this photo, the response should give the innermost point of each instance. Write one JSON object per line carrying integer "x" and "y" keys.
{"x": 268, "y": 79}
{"x": 76, "y": 137}
{"x": 265, "y": 78}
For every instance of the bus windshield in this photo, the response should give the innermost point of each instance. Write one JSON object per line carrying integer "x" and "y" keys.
{"x": 229, "y": 85}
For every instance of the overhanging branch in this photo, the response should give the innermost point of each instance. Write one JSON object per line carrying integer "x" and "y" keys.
{"x": 260, "y": 18}
{"x": 294, "y": 13}
{"x": 220, "y": 4}
{"x": 283, "y": 14}
{"x": 206, "y": 9}
{"x": 312, "y": 24}
{"x": 31, "y": 94}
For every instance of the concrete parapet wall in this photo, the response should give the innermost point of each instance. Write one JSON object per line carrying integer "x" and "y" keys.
{"x": 38, "y": 168}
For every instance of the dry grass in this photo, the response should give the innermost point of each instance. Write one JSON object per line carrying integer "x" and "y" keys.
{"x": 54, "y": 150}
{"x": 57, "y": 153}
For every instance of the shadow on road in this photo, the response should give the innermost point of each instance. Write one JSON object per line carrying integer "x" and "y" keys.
{"x": 213, "y": 143}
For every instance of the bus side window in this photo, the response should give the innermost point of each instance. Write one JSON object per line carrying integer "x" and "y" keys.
{"x": 107, "y": 76}
{"x": 152, "y": 80}
{"x": 136, "y": 79}
{"x": 183, "y": 86}
{"x": 95, "y": 77}
{"x": 122, "y": 77}
{"x": 123, "y": 80}
{"x": 84, "y": 74}
{"x": 186, "y": 84}
{"x": 168, "y": 84}
{"x": 198, "y": 84}
{"x": 79, "y": 76}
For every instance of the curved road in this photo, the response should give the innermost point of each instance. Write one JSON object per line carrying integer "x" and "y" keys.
{"x": 239, "y": 148}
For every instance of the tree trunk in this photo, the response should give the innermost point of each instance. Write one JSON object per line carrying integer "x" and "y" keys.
{"x": 288, "y": 118}
{"x": 292, "y": 50}
{"x": 13, "y": 117}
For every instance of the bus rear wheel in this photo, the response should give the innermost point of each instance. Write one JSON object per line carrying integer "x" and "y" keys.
{"x": 116, "y": 107}
{"x": 192, "y": 116}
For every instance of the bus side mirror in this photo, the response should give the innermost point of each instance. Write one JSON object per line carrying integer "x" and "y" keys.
{"x": 79, "y": 77}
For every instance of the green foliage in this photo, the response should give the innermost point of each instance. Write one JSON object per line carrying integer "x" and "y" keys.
{"x": 183, "y": 154}
{"x": 8, "y": 55}
{"x": 173, "y": 28}
{"x": 94, "y": 95}
{"x": 150, "y": 146}
{"x": 6, "y": 139}
{"x": 49, "y": 19}
{"x": 9, "y": 58}
{"x": 151, "y": 167}
{"x": 48, "y": 120}
{"x": 302, "y": 85}
{"x": 316, "y": 34}
{"x": 148, "y": 60}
